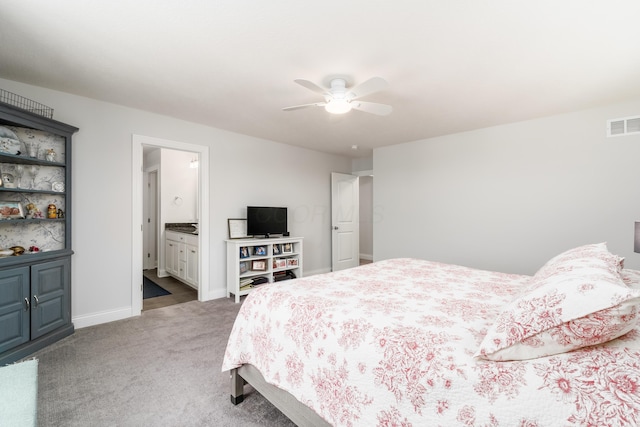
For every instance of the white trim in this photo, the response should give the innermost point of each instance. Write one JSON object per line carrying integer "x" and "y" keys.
{"x": 218, "y": 293}
{"x": 368, "y": 257}
{"x": 101, "y": 317}
{"x": 146, "y": 172}
{"x": 138, "y": 141}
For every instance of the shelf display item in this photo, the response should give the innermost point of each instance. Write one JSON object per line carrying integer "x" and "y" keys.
{"x": 51, "y": 155}
{"x": 11, "y": 210}
{"x": 8, "y": 181}
{"x": 5, "y": 252}
{"x": 32, "y": 149}
{"x": 9, "y": 142}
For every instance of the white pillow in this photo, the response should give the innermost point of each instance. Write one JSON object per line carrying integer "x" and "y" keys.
{"x": 576, "y": 299}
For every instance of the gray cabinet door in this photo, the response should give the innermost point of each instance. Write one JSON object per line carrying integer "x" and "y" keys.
{"x": 50, "y": 296}
{"x": 14, "y": 307}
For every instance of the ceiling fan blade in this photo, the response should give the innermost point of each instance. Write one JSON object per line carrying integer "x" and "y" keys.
{"x": 372, "y": 85}
{"x": 296, "y": 107}
{"x": 312, "y": 86}
{"x": 372, "y": 107}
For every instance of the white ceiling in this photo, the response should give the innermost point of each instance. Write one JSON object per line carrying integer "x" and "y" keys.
{"x": 452, "y": 65}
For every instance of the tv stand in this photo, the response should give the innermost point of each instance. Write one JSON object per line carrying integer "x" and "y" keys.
{"x": 268, "y": 236}
{"x": 279, "y": 258}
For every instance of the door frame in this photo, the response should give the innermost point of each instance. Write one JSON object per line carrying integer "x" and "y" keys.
{"x": 366, "y": 173}
{"x": 137, "y": 174}
{"x": 150, "y": 235}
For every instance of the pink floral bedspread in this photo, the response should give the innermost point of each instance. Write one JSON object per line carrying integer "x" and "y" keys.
{"x": 392, "y": 343}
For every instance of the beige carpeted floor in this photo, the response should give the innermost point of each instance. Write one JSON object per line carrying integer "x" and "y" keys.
{"x": 159, "y": 369}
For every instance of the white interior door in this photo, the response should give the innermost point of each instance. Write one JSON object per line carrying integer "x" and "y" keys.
{"x": 345, "y": 217}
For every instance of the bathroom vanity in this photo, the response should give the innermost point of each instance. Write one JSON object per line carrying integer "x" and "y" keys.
{"x": 181, "y": 252}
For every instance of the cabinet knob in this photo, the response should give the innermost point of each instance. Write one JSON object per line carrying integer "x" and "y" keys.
{"x": 27, "y": 306}
{"x": 35, "y": 298}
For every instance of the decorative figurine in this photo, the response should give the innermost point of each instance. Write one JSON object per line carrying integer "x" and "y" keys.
{"x": 31, "y": 209}
{"x": 60, "y": 213}
{"x": 52, "y": 212}
{"x": 51, "y": 155}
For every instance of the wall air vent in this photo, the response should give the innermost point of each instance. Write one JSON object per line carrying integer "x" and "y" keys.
{"x": 623, "y": 126}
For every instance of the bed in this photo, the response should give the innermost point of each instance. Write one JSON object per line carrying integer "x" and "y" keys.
{"x": 408, "y": 342}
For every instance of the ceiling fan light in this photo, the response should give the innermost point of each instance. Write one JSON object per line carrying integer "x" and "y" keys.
{"x": 338, "y": 106}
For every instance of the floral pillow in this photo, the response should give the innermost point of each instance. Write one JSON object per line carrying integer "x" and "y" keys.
{"x": 576, "y": 299}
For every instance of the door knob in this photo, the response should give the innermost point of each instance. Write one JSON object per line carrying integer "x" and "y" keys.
{"x": 335, "y": 227}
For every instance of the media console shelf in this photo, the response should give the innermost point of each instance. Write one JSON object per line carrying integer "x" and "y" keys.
{"x": 254, "y": 262}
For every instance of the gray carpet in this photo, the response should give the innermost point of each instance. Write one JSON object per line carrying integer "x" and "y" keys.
{"x": 158, "y": 369}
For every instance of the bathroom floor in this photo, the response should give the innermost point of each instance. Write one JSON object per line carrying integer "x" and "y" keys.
{"x": 180, "y": 292}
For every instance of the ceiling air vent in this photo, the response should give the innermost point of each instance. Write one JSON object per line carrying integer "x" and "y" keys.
{"x": 623, "y": 126}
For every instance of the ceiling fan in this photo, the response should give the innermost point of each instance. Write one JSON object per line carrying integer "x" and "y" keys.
{"x": 339, "y": 100}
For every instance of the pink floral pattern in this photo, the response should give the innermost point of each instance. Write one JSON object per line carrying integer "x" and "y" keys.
{"x": 392, "y": 344}
{"x": 576, "y": 300}
{"x": 602, "y": 384}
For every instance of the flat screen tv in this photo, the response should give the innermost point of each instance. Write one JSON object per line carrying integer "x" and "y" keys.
{"x": 262, "y": 221}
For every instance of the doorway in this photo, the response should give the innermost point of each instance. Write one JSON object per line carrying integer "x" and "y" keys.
{"x": 138, "y": 174}
{"x": 160, "y": 289}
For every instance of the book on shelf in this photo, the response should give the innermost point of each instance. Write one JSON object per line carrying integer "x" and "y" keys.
{"x": 246, "y": 281}
{"x": 283, "y": 275}
{"x": 251, "y": 282}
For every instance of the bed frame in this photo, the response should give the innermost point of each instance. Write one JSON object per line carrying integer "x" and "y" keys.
{"x": 290, "y": 406}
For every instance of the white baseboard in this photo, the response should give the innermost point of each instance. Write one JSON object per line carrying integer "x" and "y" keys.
{"x": 93, "y": 319}
{"x": 101, "y": 317}
{"x": 368, "y": 257}
{"x": 216, "y": 294}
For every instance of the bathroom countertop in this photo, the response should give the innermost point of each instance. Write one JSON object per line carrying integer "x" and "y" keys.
{"x": 181, "y": 227}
